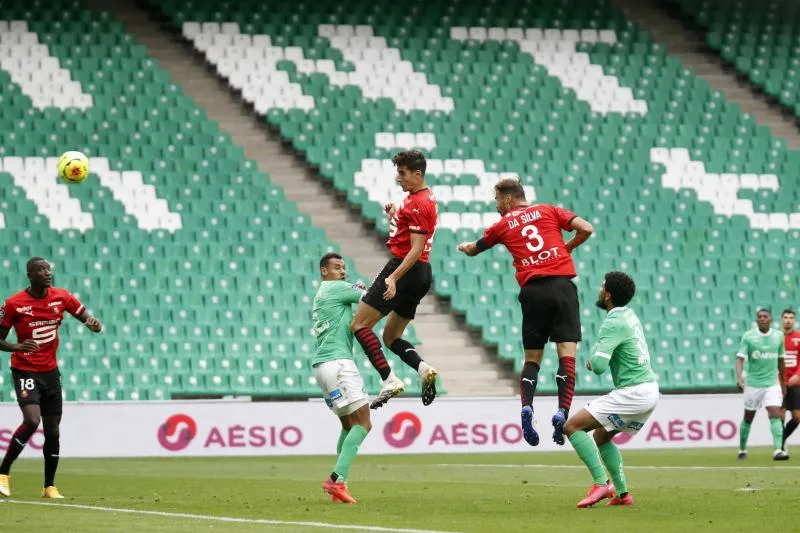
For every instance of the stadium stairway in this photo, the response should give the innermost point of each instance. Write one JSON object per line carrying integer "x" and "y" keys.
{"x": 466, "y": 367}
{"x": 663, "y": 20}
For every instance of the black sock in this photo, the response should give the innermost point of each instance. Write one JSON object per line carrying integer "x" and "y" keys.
{"x": 407, "y": 353}
{"x": 622, "y": 494}
{"x": 51, "y": 449}
{"x": 527, "y": 382}
{"x": 334, "y": 477}
{"x": 788, "y": 429}
{"x": 18, "y": 441}
{"x": 372, "y": 347}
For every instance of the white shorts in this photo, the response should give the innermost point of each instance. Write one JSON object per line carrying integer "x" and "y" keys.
{"x": 625, "y": 409}
{"x": 342, "y": 386}
{"x": 757, "y": 397}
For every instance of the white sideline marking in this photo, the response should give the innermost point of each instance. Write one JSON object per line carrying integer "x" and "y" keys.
{"x": 462, "y": 465}
{"x": 227, "y": 519}
{"x": 748, "y": 489}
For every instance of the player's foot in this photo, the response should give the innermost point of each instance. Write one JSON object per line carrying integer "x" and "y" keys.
{"x": 338, "y": 491}
{"x": 559, "y": 419}
{"x": 5, "y": 486}
{"x": 780, "y": 455}
{"x": 597, "y": 493}
{"x": 742, "y": 455}
{"x": 626, "y": 500}
{"x": 52, "y": 493}
{"x": 531, "y": 437}
{"x": 391, "y": 388}
{"x": 428, "y": 375}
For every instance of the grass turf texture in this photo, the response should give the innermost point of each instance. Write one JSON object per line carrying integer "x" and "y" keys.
{"x": 411, "y": 492}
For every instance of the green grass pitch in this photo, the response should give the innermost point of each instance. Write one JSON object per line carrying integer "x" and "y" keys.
{"x": 676, "y": 491}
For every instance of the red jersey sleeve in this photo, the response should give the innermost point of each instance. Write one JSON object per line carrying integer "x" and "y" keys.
{"x": 492, "y": 234}
{"x": 72, "y": 305}
{"x": 565, "y": 217}
{"x": 421, "y": 219}
{"x": 7, "y": 314}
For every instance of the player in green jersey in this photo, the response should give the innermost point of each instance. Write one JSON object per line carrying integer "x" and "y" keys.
{"x": 621, "y": 347}
{"x": 336, "y": 371}
{"x": 763, "y": 349}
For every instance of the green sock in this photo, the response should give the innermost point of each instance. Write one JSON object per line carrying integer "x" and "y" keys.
{"x": 342, "y": 436}
{"x": 776, "y": 427}
{"x": 349, "y": 450}
{"x": 613, "y": 461}
{"x": 587, "y": 450}
{"x": 744, "y": 434}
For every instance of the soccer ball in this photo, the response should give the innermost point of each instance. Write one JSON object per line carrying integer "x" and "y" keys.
{"x": 73, "y": 167}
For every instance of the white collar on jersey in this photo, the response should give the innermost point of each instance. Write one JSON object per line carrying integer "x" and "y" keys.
{"x": 624, "y": 307}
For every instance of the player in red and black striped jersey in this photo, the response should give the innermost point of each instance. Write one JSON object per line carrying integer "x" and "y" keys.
{"x": 35, "y": 314}
{"x": 791, "y": 400}
{"x": 403, "y": 282}
{"x": 549, "y": 299}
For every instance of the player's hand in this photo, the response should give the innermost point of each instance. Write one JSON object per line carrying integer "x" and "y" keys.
{"x": 93, "y": 324}
{"x": 467, "y": 248}
{"x": 360, "y": 285}
{"x": 391, "y": 290}
{"x": 783, "y": 389}
{"x": 740, "y": 384}
{"x": 794, "y": 380}
{"x": 29, "y": 346}
{"x": 389, "y": 208}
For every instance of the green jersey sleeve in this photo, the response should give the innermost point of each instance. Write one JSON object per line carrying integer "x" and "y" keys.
{"x": 744, "y": 351}
{"x": 607, "y": 341}
{"x": 346, "y": 293}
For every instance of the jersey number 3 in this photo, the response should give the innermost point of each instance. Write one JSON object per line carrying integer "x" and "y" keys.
{"x": 536, "y": 242}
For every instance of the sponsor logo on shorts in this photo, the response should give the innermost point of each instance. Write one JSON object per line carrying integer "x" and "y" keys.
{"x": 617, "y": 421}
{"x": 177, "y": 432}
{"x": 402, "y": 430}
{"x": 335, "y": 394}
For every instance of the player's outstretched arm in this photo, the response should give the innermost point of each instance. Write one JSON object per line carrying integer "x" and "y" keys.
{"x": 91, "y": 322}
{"x": 583, "y": 230}
{"x": 25, "y": 347}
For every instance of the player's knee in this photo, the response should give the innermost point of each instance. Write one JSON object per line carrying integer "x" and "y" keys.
{"x": 570, "y": 427}
{"x": 367, "y": 425}
{"x": 32, "y": 420}
{"x": 389, "y": 337}
{"x": 52, "y": 433}
{"x": 356, "y": 325}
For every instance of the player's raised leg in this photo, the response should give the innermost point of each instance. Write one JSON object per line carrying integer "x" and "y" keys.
{"x": 565, "y": 381}
{"x": 364, "y": 320}
{"x": 396, "y": 325}
{"x": 577, "y": 431}
{"x": 528, "y": 379}
{"x": 31, "y": 417}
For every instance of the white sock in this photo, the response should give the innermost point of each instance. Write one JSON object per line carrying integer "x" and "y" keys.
{"x": 391, "y": 377}
{"x": 423, "y": 369}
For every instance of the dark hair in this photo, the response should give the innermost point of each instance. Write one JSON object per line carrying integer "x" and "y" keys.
{"x": 510, "y": 186}
{"x": 32, "y": 261}
{"x": 412, "y": 160}
{"x": 764, "y": 310}
{"x": 620, "y": 287}
{"x": 327, "y": 257}
{"x": 788, "y": 311}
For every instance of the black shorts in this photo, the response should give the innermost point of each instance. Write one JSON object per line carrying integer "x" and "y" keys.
{"x": 550, "y": 312}
{"x": 39, "y": 388}
{"x": 411, "y": 288}
{"x": 791, "y": 402}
